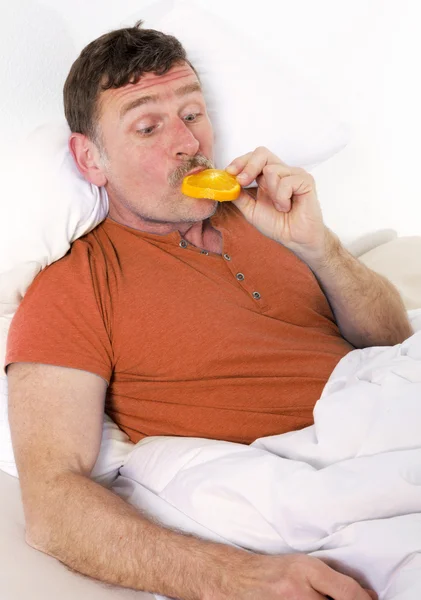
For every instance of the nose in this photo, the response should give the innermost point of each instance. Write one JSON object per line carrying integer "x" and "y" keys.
{"x": 184, "y": 142}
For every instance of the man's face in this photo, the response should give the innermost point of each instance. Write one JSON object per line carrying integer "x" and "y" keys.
{"x": 153, "y": 134}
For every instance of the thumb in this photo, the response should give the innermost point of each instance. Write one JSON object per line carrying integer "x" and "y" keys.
{"x": 245, "y": 203}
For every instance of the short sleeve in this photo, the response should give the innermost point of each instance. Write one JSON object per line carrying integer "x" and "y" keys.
{"x": 64, "y": 319}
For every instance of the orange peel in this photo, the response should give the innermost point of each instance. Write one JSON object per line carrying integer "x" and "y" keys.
{"x": 214, "y": 184}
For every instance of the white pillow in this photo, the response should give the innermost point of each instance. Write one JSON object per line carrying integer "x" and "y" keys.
{"x": 47, "y": 205}
{"x": 253, "y": 98}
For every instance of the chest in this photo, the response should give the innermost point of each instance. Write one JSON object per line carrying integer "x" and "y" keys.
{"x": 180, "y": 309}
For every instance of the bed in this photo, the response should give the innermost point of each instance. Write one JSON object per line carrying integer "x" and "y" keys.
{"x": 25, "y": 572}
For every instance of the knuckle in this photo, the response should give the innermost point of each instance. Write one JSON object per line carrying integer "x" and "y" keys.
{"x": 301, "y": 171}
{"x": 269, "y": 169}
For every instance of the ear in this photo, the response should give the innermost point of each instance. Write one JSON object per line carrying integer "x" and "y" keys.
{"x": 87, "y": 159}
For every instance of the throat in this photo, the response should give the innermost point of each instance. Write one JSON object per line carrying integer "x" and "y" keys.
{"x": 203, "y": 235}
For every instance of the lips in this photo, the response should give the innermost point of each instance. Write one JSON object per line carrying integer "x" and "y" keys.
{"x": 196, "y": 170}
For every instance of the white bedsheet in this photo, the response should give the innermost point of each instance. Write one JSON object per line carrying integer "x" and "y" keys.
{"x": 347, "y": 488}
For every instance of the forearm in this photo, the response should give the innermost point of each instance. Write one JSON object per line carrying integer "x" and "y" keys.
{"x": 367, "y": 307}
{"x": 96, "y": 533}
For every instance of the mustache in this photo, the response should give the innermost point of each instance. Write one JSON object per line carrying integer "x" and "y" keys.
{"x": 196, "y": 161}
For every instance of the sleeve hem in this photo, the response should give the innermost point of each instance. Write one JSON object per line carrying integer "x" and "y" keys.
{"x": 94, "y": 369}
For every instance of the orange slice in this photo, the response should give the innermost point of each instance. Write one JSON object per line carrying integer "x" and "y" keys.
{"x": 211, "y": 183}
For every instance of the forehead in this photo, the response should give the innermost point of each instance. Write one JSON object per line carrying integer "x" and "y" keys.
{"x": 114, "y": 99}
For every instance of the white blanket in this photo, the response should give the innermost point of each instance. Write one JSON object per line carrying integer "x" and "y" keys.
{"x": 347, "y": 489}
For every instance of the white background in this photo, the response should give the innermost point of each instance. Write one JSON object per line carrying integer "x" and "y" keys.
{"x": 363, "y": 55}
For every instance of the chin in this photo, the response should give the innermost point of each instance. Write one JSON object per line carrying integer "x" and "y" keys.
{"x": 202, "y": 207}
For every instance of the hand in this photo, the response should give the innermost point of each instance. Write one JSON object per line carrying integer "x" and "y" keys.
{"x": 286, "y": 208}
{"x": 290, "y": 576}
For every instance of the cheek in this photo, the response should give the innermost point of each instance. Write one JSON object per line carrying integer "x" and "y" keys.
{"x": 154, "y": 173}
{"x": 145, "y": 165}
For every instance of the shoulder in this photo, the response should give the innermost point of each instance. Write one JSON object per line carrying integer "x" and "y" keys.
{"x": 85, "y": 252}
{"x": 83, "y": 267}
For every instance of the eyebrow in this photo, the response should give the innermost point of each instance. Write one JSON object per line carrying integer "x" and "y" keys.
{"x": 190, "y": 88}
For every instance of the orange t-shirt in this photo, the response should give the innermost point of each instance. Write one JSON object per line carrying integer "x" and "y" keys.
{"x": 192, "y": 343}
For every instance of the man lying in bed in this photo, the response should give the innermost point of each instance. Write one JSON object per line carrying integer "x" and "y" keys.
{"x": 186, "y": 318}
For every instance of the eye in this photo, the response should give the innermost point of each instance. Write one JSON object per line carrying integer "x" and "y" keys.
{"x": 146, "y": 130}
{"x": 194, "y": 115}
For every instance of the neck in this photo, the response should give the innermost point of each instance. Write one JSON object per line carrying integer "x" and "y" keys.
{"x": 203, "y": 235}
{"x": 199, "y": 233}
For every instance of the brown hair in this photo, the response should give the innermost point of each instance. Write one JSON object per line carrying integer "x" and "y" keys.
{"x": 113, "y": 60}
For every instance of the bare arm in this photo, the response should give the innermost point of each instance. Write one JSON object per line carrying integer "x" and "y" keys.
{"x": 285, "y": 208}
{"x": 56, "y": 420}
{"x": 367, "y": 307}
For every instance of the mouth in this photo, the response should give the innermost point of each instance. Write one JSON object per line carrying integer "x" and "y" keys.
{"x": 196, "y": 170}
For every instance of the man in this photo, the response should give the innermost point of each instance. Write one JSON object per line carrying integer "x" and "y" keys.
{"x": 186, "y": 318}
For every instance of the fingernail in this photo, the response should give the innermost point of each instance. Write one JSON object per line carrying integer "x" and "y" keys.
{"x": 231, "y": 169}
{"x": 242, "y": 176}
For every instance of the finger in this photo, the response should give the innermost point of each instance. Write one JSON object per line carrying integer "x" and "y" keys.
{"x": 335, "y": 585}
{"x": 281, "y": 170}
{"x": 294, "y": 185}
{"x": 238, "y": 164}
{"x": 371, "y": 593}
{"x": 281, "y": 187}
{"x": 249, "y": 166}
{"x": 272, "y": 184}
{"x": 246, "y": 203}
{"x": 256, "y": 165}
